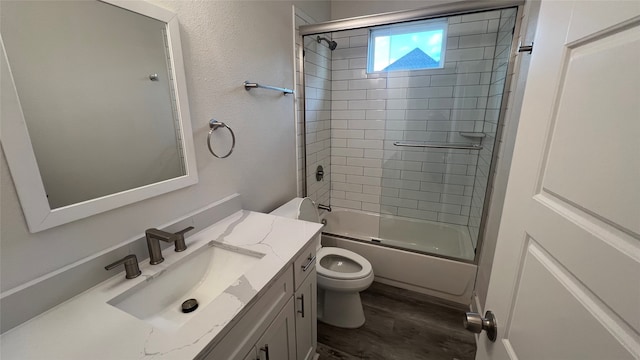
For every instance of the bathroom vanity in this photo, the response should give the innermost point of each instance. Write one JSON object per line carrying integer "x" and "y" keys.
{"x": 282, "y": 324}
{"x": 253, "y": 274}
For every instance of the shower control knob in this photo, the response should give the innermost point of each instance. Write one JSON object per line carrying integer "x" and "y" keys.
{"x": 476, "y": 323}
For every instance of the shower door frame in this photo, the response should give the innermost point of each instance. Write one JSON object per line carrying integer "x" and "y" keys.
{"x": 437, "y": 11}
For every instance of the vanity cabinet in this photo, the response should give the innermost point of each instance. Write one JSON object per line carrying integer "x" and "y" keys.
{"x": 244, "y": 338}
{"x": 281, "y": 324}
{"x": 306, "y": 299}
{"x": 278, "y": 341}
{"x": 307, "y": 317}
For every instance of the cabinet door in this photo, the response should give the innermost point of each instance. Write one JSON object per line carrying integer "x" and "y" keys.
{"x": 278, "y": 342}
{"x": 252, "y": 355}
{"x": 306, "y": 317}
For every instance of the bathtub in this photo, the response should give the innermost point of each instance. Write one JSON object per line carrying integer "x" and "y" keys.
{"x": 425, "y": 256}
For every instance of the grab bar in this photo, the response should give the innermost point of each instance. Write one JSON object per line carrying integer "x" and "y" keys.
{"x": 249, "y": 85}
{"x": 441, "y": 146}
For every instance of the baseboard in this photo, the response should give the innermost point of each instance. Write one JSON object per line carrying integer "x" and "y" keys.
{"x": 37, "y": 296}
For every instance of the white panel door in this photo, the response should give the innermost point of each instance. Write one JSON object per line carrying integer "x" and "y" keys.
{"x": 566, "y": 276}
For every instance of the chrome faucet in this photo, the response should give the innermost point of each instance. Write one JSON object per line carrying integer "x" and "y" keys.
{"x": 153, "y": 242}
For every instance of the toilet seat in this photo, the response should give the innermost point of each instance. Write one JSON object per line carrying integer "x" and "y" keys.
{"x": 364, "y": 264}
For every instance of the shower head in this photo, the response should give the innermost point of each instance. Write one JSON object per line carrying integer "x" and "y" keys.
{"x": 332, "y": 44}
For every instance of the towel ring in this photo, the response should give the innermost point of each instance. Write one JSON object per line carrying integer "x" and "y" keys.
{"x": 214, "y": 125}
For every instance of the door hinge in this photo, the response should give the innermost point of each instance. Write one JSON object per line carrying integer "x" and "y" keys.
{"x": 525, "y": 48}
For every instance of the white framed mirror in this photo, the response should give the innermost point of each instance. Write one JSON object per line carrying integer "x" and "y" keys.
{"x": 94, "y": 111}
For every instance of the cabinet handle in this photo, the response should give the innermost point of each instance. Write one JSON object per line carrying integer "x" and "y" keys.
{"x": 266, "y": 351}
{"x": 312, "y": 259}
{"x": 301, "y": 298}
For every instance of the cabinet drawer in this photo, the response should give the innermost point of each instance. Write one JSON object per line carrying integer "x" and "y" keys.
{"x": 304, "y": 263}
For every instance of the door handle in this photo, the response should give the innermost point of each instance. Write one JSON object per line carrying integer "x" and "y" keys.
{"x": 312, "y": 259}
{"x": 476, "y": 323}
{"x": 301, "y": 298}
{"x": 265, "y": 349}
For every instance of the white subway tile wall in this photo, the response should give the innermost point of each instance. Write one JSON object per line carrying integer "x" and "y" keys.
{"x": 369, "y": 112}
{"x": 318, "y": 113}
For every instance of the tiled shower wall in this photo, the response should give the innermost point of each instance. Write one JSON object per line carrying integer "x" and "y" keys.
{"x": 371, "y": 111}
{"x": 317, "y": 87}
{"x": 494, "y": 105}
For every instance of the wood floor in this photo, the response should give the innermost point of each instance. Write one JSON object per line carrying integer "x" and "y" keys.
{"x": 401, "y": 325}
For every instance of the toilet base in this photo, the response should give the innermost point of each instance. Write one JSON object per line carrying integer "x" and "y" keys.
{"x": 340, "y": 309}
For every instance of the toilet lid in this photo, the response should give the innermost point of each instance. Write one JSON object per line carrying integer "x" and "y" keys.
{"x": 350, "y": 256}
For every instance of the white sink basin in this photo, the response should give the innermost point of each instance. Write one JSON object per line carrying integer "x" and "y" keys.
{"x": 202, "y": 275}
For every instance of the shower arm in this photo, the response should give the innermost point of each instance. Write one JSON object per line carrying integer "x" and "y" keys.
{"x": 330, "y": 43}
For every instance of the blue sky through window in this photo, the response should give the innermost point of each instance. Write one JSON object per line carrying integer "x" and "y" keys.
{"x": 391, "y": 44}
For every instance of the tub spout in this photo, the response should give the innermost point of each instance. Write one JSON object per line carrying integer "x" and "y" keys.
{"x": 324, "y": 207}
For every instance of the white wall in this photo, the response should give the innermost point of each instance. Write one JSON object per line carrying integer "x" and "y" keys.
{"x": 224, "y": 44}
{"x": 341, "y": 9}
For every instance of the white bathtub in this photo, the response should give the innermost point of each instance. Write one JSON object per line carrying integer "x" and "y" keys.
{"x": 396, "y": 248}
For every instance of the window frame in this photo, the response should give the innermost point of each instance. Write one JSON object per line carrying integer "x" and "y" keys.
{"x": 406, "y": 28}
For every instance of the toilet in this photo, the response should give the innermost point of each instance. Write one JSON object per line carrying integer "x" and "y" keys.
{"x": 342, "y": 274}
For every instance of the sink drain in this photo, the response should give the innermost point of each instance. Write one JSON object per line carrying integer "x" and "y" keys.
{"x": 189, "y": 305}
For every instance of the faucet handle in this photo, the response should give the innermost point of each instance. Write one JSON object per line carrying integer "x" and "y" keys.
{"x": 131, "y": 267}
{"x": 184, "y": 231}
{"x": 180, "y": 245}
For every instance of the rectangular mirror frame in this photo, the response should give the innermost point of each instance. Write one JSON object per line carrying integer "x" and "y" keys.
{"x": 21, "y": 159}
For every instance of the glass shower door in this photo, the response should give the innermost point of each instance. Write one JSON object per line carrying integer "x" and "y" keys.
{"x": 440, "y": 127}
{"x": 403, "y": 119}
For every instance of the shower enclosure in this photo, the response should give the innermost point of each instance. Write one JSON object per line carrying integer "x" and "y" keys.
{"x": 402, "y": 118}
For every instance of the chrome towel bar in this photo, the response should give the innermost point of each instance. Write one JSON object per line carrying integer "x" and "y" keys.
{"x": 213, "y": 126}
{"x": 441, "y": 146}
{"x": 249, "y": 85}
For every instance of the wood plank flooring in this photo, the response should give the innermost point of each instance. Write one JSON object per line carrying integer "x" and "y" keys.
{"x": 401, "y": 325}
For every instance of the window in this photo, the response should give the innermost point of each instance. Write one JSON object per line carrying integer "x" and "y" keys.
{"x": 407, "y": 46}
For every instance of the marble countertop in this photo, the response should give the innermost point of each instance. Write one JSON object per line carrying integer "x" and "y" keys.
{"x": 87, "y": 327}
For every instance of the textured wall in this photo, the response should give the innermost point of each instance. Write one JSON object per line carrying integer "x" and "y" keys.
{"x": 350, "y": 8}
{"x": 224, "y": 44}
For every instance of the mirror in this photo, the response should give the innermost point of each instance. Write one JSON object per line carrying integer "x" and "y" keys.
{"x": 94, "y": 106}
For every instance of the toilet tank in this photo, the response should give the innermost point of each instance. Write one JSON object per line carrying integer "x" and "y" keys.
{"x": 298, "y": 208}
